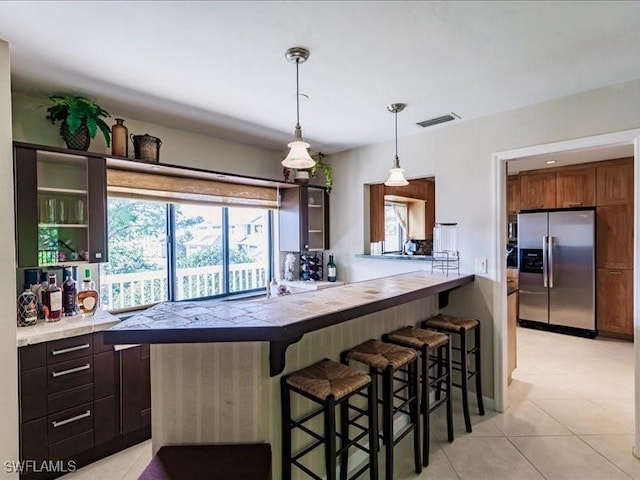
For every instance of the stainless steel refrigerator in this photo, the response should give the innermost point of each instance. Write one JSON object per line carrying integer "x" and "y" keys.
{"x": 557, "y": 269}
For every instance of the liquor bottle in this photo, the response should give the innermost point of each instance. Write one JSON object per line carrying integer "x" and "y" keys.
{"x": 52, "y": 300}
{"x": 331, "y": 270}
{"x": 273, "y": 287}
{"x": 39, "y": 291}
{"x": 69, "y": 292}
{"x": 87, "y": 296}
{"x": 27, "y": 308}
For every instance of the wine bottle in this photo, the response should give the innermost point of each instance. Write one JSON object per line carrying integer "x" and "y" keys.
{"x": 69, "y": 292}
{"x": 331, "y": 270}
{"x": 87, "y": 296}
{"x": 53, "y": 300}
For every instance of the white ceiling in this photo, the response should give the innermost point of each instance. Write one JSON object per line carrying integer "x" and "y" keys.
{"x": 218, "y": 67}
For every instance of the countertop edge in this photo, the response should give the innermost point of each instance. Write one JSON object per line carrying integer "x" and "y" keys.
{"x": 275, "y": 333}
{"x": 415, "y": 258}
{"x": 45, "y": 332}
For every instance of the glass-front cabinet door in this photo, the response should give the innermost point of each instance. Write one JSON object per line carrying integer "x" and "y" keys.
{"x": 60, "y": 207}
{"x": 316, "y": 223}
{"x": 63, "y": 228}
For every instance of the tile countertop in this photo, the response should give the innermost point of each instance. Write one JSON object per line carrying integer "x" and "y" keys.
{"x": 310, "y": 285}
{"x": 276, "y": 319}
{"x": 396, "y": 256}
{"x": 64, "y": 328}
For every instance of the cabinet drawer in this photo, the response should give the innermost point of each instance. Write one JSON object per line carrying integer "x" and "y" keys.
{"x": 32, "y": 356}
{"x": 33, "y": 400}
{"x": 69, "y": 398}
{"x": 71, "y": 446}
{"x": 69, "y": 423}
{"x": 71, "y": 374}
{"x": 69, "y": 348}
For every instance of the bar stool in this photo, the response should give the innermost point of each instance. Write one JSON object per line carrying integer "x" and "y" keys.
{"x": 459, "y": 327}
{"x": 329, "y": 384}
{"x": 435, "y": 350}
{"x": 386, "y": 360}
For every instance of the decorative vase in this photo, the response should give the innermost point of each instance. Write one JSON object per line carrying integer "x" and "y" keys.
{"x": 119, "y": 139}
{"x": 79, "y": 140}
{"x": 146, "y": 147}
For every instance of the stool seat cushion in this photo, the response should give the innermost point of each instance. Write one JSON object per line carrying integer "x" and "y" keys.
{"x": 204, "y": 462}
{"x": 451, "y": 323}
{"x": 326, "y": 378}
{"x": 380, "y": 355}
{"x": 418, "y": 337}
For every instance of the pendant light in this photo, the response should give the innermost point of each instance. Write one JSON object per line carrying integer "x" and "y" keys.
{"x": 298, "y": 157}
{"x": 396, "y": 174}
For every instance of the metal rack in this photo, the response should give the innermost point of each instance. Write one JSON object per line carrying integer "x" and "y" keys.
{"x": 445, "y": 262}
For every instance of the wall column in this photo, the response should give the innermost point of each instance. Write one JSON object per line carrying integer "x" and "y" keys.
{"x": 8, "y": 349}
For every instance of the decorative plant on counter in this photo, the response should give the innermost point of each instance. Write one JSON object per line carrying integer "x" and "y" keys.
{"x": 313, "y": 171}
{"x": 80, "y": 119}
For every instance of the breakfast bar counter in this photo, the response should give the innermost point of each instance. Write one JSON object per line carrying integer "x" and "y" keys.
{"x": 282, "y": 320}
{"x": 215, "y": 365}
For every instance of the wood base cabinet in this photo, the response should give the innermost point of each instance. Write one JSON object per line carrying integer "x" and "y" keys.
{"x": 615, "y": 302}
{"x": 75, "y": 399}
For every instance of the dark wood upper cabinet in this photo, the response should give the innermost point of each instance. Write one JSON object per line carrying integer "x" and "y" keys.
{"x": 537, "y": 190}
{"x": 60, "y": 206}
{"x": 304, "y": 219}
{"x": 615, "y": 183}
{"x": 576, "y": 187}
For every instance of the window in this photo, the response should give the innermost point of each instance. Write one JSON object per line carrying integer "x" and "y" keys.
{"x": 176, "y": 251}
{"x": 393, "y": 232}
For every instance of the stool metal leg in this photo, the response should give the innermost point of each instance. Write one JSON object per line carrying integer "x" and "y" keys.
{"x": 425, "y": 406}
{"x": 344, "y": 439}
{"x": 373, "y": 427}
{"x": 478, "y": 375}
{"x": 449, "y": 370}
{"x": 465, "y": 379}
{"x": 330, "y": 437}
{"x": 286, "y": 429}
{"x": 414, "y": 410}
{"x": 387, "y": 419}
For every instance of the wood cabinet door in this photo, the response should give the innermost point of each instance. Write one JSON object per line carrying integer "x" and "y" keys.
{"x": 615, "y": 184}
{"x": 615, "y": 236}
{"x": 513, "y": 195}
{"x": 376, "y": 208}
{"x": 615, "y": 301}
{"x": 26, "y": 210}
{"x": 537, "y": 190}
{"x": 576, "y": 188}
{"x": 98, "y": 246}
{"x": 135, "y": 388}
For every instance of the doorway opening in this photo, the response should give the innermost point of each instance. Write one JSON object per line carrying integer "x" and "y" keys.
{"x": 619, "y": 144}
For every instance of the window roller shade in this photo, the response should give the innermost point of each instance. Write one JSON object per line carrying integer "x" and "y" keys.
{"x": 167, "y": 188}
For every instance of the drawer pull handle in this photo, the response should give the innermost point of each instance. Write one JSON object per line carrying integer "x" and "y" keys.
{"x": 72, "y": 419}
{"x": 575, "y": 204}
{"x": 615, "y": 273}
{"x": 86, "y": 366}
{"x": 70, "y": 349}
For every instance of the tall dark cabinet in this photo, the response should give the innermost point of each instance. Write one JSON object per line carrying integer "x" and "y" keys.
{"x": 304, "y": 219}
{"x": 81, "y": 400}
{"x": 61, "y": 200}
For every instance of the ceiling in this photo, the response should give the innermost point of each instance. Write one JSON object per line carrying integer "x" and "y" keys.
{"x": 218, "y": 68}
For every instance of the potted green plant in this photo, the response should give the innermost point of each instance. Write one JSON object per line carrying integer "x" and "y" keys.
{"x": 313, "y": 171}
{"x": 80, "y": 119}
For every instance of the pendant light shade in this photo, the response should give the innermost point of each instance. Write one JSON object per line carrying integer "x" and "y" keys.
{"x": 396, "y": 174}
{"x": 298, "y": 157}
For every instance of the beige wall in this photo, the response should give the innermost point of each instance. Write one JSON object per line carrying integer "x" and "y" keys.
{"x": 179, "y": 147}
{"x": 8, "y": 357}
{"x": 460, "y": 157}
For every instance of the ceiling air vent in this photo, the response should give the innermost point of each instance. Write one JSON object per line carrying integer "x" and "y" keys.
{"x": 436, "y": 120}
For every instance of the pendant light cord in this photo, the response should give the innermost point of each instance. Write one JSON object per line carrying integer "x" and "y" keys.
{"x": 397, "y": 160}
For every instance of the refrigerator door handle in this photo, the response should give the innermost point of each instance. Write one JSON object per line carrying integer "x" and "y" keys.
{"x": 544, "y": 260}
{"x": 550, "y": 248}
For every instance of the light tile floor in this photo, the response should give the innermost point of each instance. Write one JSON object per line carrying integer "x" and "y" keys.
{"x": 571, "y": 417}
